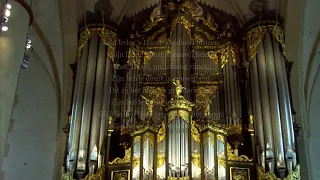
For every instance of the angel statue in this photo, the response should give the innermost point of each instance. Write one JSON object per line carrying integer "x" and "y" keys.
{"x": 207, "y": 108}
{"x": 149, "y": 103}
{"x": 179, "y": 87}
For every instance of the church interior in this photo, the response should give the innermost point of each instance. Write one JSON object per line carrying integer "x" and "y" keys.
{"x": 159, "y": 89}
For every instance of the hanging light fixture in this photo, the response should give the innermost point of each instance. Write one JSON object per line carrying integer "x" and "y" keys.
{"x": 26, "y": 57}
{"x": 5, "y": 16}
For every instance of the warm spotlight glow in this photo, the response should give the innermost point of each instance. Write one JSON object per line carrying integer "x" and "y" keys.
{"x": 4, "y": 28}
{"x": 7, "y": 13}
{"x": 8, "y": 6}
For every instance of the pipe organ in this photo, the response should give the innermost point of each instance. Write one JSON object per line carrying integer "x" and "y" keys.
{"x": 177, "y": 96}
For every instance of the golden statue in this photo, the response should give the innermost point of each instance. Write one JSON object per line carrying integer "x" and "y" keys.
{"x": 149, "y": 103}
{"x": 207, "y": 108}
{"x": 179, "y": 87}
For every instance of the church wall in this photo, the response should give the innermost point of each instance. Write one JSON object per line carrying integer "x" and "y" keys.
{"x": 31, "y": 143}
{"x": 302, "y": 39}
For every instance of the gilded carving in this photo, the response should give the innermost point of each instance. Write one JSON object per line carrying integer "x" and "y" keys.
{"x": 222, "y": 161}
{"x": 147, "y": 56}
{"x": 234, "y": 129}
{"x": 161, "y": 132}
{"x": 136, "y": 139}
{"x": 209, "y": 22}
{"x": 195, "y": 132}
{"x": 224, "y": 52}
{"x": 99, "y": 175}
{"x": 66, "y": 175}
{"x": 278, "y": 34}
{"x": 240, "y": 174}
{"x": 150, "y": 137}
{"x": 124, "y": 160}
{"x": 262, "y": 175}
{"x": 254, "y": 37}
{"x": 134, "y": 56}
{"x": 203, "y": 94}
{"x": 233, "y": 157}
{"x": 196, "y": 159}
{"x": 154, "y": 35}
{"x": 160, "y": 160}
{"x": 205, "y": 137}
{"x": 208, "y": 36}
{"x": 183, "y": 20}
{"x": 154, "y": 19}
{"x": 120, "y": 175}
{"x": 157, "y": 94}
{"x": 109, "y": 38}
{"x": 135, "y": 162}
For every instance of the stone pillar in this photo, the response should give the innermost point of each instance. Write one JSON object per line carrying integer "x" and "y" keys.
{"x": 12, "y": 47}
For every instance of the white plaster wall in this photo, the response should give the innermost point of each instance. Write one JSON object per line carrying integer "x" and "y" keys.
{"x": 314, "y": 141}
{"x": 33, "y": 131}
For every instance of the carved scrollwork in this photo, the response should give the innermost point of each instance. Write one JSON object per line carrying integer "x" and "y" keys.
{"x": 203, "y": 93}
{"x": 233, "y": 157}
{"x": 195, "y": 132}
{"x": 240, "y": 174}
{"x": 66, "y": 175}
{"x": 147, "y": 56}
{"x": 134, "y": 56}
{"x": 162, "y": 132}
{"x": 183, "y": 20}
{"x": 224, "y": 53}
{"x": 254, "y": 37}
{"x": 157, "y": 94}
{"x": 109, "y": 38}
{"x": 124, "y": 160}
{"x": 99, "y": 175}
{"x": 160, "y": 160}
{"x": 208, "y": 21}
{"x": 150, "y": 137}
{"x": 205, "y": 137}
{"x": 196, "y": 159}
{"x": 278, "y": 34}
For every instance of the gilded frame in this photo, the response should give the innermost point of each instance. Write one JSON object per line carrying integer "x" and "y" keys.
{"x": 120, "y": 171}
{"x": 239, "y": 168}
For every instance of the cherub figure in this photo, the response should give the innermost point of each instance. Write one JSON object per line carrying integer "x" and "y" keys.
{"x": 207, "y": 108}
{"x": 179, "y": 87}
{"x": 149, "y": 103}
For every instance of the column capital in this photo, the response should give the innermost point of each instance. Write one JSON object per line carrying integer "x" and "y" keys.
{"x": 28, "y": 9}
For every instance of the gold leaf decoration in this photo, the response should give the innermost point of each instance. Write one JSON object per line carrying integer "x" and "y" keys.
{"x": 124, "y": 160}
{"x": 195, "y": 132}
{"x": 134, "y": 56}
{"x": 207, "y": 135}
{"x": 157, "y": 94}
{"x": 160, "y": 160}
{"x": 99, "y": 175}
{"x": 196, "y": 159}
{"x": 254, "y": 38}
{"x": 203, "y": 93}
{"x": 161, "y": 132}
{"x": 150, "y": 137}
{"x": 233, "y": 157}
{"x": 66, "y": 175}
{"x": 278, "y": 34}
{"x": 147, "y": 56}
{"x": 240, "y": 174}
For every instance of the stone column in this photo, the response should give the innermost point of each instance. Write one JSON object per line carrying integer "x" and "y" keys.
{"x": 12, "y": 47}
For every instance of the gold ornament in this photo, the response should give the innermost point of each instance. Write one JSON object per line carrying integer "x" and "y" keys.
{"x": 147, "y": 56}
{"x": 195, "y": 132}
{"x": 254, "y": 37}
{"x": 161, "y": 132}
{"x": 209, "y": 22}
{"x": 278, "y": 34}
{"x": 157, "y": 94}
{"x": 149, "y": 103}
{"x": 196, "y": 159}
{"x": 150, "y": 137}
{"x": 207, "y": 135}
{"x": 234, "y": 129}
{"x": 124, "y": 160}
{"x": 240, "y": 174}
{"x": 66, "y": 175}
{"x": 99, "y": 175}
{"x": 233, "y": 157}
{"x": 160, "y": 160}
{"x": 134, "y": 56}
